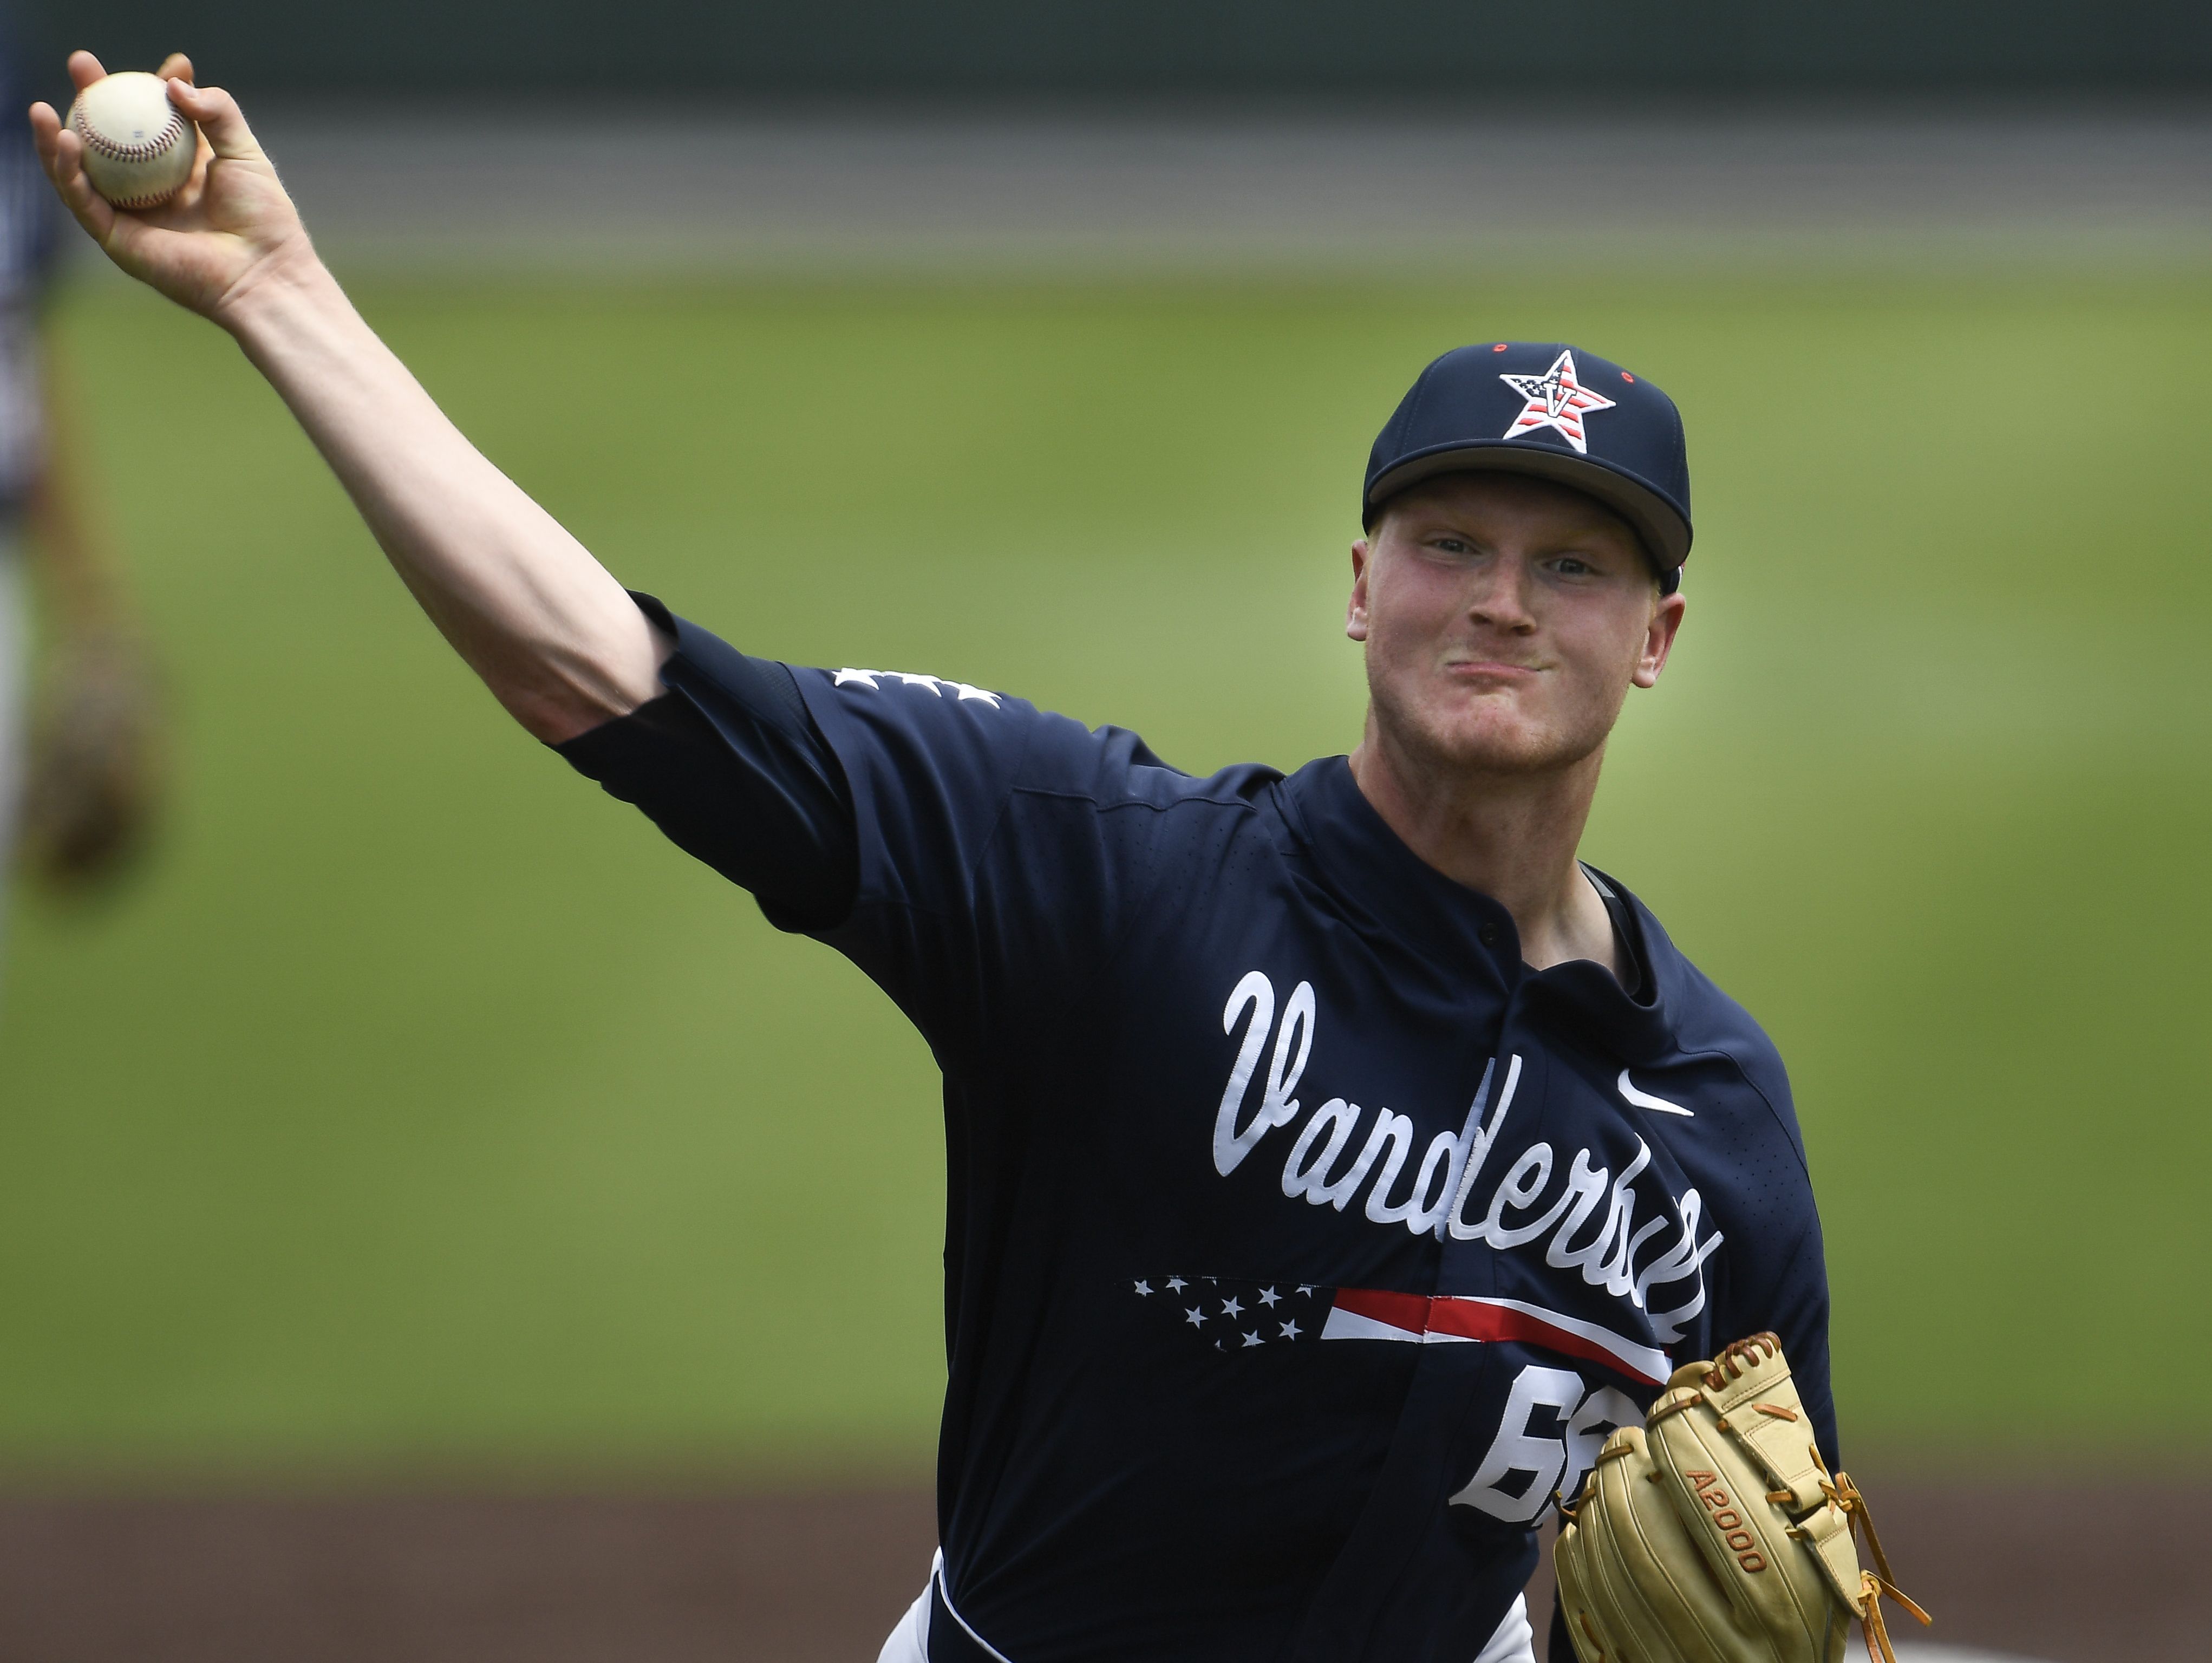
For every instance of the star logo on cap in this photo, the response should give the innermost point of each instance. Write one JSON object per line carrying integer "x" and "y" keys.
{"x": 1556, "y": 399}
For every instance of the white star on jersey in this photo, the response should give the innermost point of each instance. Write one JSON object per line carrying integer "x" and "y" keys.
{"x": 1556, "y": 399}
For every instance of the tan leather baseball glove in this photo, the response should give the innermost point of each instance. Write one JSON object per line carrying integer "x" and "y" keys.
{"x": 1714, "y": 1533}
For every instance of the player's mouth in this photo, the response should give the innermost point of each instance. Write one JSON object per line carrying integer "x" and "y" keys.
{"x": 1489, "y": 670}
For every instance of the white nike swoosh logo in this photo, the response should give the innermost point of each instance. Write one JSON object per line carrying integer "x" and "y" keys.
{"x": 1645, "y": 1100}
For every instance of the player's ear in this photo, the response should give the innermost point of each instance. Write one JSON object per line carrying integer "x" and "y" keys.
{"x": 1659, "y": 639}
{"x": 1355, "y": 613}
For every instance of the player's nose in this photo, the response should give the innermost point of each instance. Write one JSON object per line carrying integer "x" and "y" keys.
{"x": 1502, "y": 596}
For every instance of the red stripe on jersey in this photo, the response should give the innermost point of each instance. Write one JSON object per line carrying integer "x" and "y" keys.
{"x": 1472, "y": 1320}
{"x": 1406, "y": 1311}
{"x": 1450, "y": 1317}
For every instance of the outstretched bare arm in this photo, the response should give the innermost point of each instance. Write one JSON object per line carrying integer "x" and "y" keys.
{"x": 549, "y": 631}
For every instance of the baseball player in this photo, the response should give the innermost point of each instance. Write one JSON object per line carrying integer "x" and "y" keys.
{"x": 1334, "y": 1161}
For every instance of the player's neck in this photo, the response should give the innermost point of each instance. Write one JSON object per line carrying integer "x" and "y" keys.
{"x": 1512, "y": 835}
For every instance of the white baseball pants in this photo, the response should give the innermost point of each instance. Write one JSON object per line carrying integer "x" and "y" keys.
{"x": 1514, "y": 1642}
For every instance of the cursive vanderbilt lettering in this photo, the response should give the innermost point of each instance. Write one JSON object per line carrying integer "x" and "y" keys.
{"x": 1588, "y": 1225}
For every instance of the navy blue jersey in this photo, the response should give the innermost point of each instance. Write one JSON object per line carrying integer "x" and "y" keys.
{"x": 1303, "y": 1243}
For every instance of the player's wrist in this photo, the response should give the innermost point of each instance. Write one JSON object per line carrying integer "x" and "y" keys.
{"x": 287, "y": 287}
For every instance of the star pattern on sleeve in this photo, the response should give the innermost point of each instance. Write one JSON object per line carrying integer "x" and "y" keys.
{"x": 874, "y": 679}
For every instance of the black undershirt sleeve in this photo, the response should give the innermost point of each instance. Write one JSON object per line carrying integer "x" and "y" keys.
{"x": 730, "y": 767}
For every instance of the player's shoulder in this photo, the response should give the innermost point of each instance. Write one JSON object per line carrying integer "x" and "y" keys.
{"x": 1706, "y": 1024}
{"x": 917, "y": 709}
{"x": 1040, "y": 752}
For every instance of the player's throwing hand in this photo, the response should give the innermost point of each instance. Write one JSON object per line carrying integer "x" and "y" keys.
{"x": 553, "y": 634}
{"x": 230, "y": 223}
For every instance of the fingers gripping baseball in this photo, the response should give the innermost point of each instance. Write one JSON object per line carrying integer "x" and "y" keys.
{"x": 224, "y": 136}
{"x": 229, "y": 224}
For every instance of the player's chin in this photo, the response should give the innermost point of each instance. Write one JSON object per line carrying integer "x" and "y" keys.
{"x": 1493, "y": 739}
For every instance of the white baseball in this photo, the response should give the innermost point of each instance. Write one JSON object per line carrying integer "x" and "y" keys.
{"x": 138, "y": 148}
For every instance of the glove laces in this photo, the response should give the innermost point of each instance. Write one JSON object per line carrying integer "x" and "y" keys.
{"x": 1873, "y": 1584}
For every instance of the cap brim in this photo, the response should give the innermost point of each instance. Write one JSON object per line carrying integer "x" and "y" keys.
{"x": 1666, "y": 534}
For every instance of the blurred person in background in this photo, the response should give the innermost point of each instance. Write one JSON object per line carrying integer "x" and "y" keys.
{"x": 76, "y": 782}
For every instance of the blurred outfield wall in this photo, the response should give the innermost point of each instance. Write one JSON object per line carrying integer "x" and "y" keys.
{"x": 1426, "y": 49}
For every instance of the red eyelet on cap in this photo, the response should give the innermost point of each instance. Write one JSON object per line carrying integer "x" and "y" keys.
{"x": 1500, "y": 347}
{"x": 1625, "y": 376}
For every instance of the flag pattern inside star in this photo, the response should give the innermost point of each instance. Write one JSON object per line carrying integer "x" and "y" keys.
{"x": 1556, "y": 399}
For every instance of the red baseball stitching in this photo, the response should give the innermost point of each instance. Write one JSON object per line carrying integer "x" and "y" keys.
{"x": 146, "y": 152}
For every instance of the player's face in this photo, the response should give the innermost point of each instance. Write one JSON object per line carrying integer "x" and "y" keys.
{"x": 1504, "y": 619}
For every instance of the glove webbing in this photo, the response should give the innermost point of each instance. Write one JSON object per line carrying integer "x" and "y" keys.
{"x": 1840, "y": 1491}
{"x": 1874, "y": 1583}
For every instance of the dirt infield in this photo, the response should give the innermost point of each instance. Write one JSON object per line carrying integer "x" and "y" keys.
{"x": 2074, "y": 1575}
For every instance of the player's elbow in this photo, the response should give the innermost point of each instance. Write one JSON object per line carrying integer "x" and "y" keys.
{"x": 556, "y": 712}
{"x": 557, "y": 697}
{"x": 557, "y": 689}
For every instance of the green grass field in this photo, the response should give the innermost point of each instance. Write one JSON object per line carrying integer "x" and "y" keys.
{"x": 421, "y": 1109}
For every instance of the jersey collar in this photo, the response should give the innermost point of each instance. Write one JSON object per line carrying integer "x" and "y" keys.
{"x": 1367, "y": 866}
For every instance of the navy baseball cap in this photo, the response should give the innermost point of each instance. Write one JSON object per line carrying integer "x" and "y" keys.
{"x": 1544, "y": 409}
